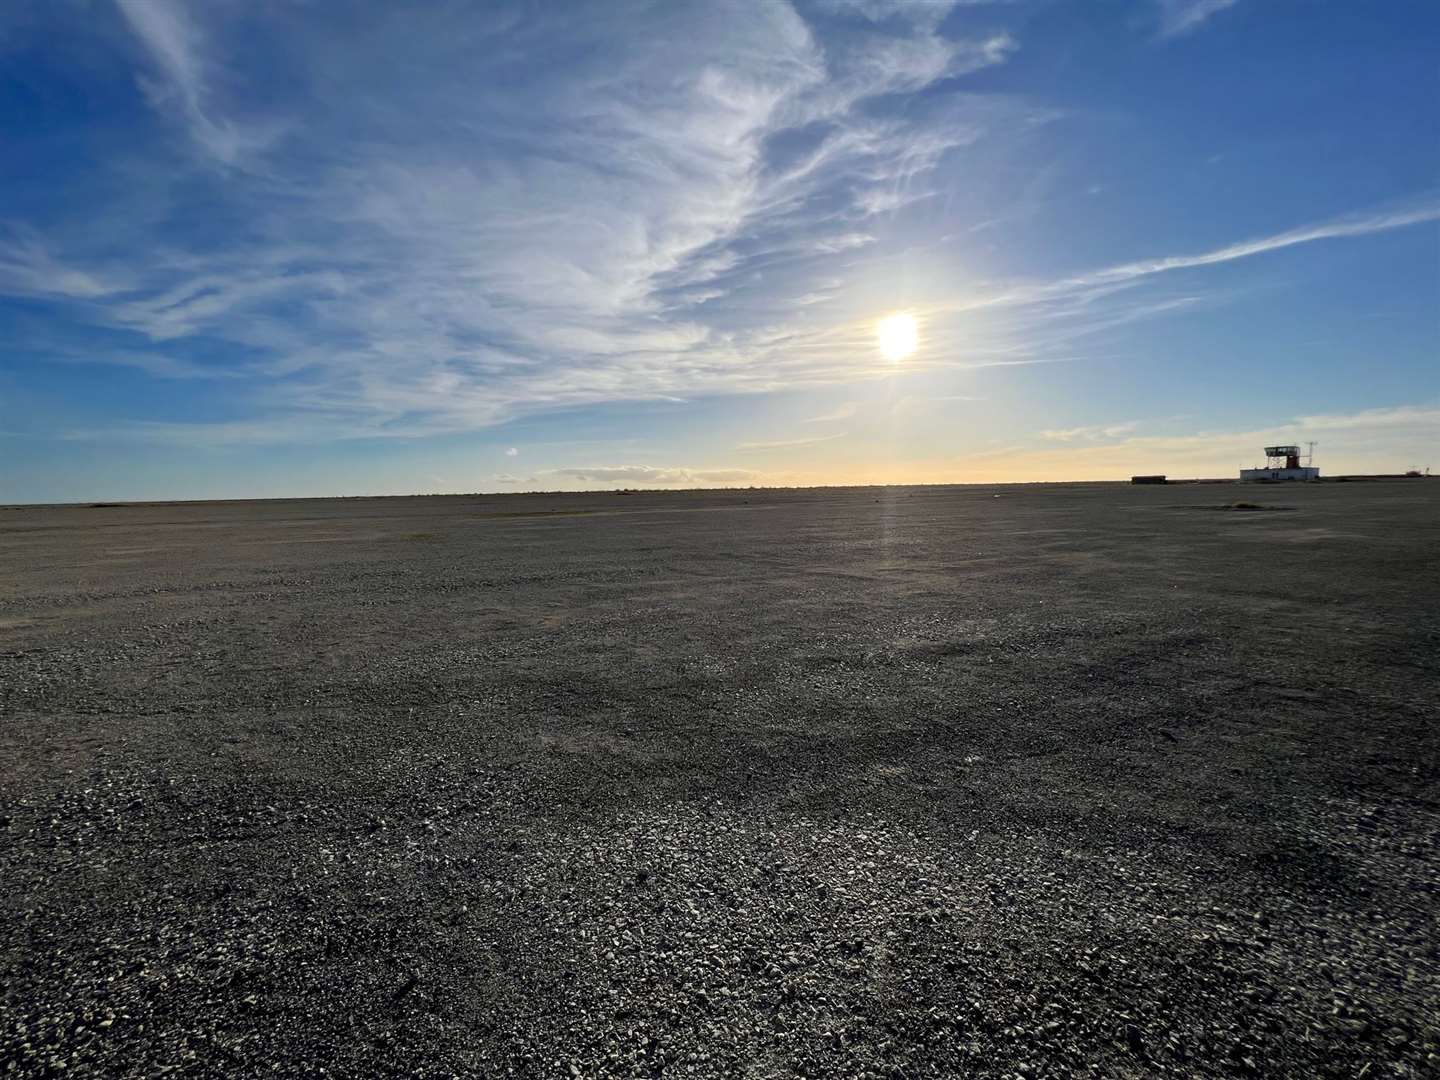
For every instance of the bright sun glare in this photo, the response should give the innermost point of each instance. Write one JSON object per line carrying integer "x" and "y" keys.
{"x": 897, "y": 335}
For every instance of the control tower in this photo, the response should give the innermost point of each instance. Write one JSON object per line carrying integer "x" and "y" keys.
{"x": 1283, "y": 463}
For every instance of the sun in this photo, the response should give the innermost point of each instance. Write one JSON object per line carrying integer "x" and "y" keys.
{"x": 898, "y": 336}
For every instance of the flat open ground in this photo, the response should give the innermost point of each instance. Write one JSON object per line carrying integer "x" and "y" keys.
{"x": 1038, "y": 781}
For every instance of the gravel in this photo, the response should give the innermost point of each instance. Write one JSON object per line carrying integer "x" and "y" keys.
{"x": 863, "y": 783}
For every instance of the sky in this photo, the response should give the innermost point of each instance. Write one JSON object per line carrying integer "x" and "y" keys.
{"x": 255, "y": 248}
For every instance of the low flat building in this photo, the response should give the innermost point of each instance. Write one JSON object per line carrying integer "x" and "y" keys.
{"x": 1304, "y": 472}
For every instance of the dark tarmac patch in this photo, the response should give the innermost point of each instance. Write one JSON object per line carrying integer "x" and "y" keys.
{"x": 540, "y": 513}
{"x": 1240, "y": 507}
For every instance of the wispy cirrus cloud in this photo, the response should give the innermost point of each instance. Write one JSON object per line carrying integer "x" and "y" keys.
{"x": 842, "y": 412}
{"x": 158, "y": 365}
{"x": 1424, "y": 418}
{"x": 1357, "y": 225}
{"x": 177, "y": 50}
{"x": 787, "y": 444}
{"x": 1078, "y": 293}
{"x": 406, "y": 275}
{"x": 479, "y": 234}
{"x": 28, "y": 268}
{"x": 1091, "y": 431}
{"x": 434, "y": 257}
{"x": 1178, "y": 17}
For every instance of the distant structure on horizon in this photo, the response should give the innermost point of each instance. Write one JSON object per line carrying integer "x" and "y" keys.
{"x": 1283, "y": 463}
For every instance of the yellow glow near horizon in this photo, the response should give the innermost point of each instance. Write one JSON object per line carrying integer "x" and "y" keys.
{"x": 898, "y": 336}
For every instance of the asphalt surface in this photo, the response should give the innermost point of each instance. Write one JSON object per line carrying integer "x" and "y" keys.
{"x": 1088, "y": 780}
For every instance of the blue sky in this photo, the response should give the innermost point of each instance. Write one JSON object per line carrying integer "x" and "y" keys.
{"x": 276, "y": 247}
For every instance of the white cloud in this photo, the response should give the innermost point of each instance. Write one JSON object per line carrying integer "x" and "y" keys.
{"x": 257, "y": 432}
{"x": 1091, "y": 432}
{"x": 1330, "y": 230}
{"x": 176, "y": 48}
{"x": 652, "y": 476}
{"x": 612, "y": 244}
{"x": 844, "y": 412}
{"x": 156, "y": 364}
{"x": 646, "y": 223}
{"x": 512, "y": 451}
{"x": 1082, "y": 290}
{"x": 28, "y": 268}
{"x": 785, "y": 444}
{"x": 1179, "y": 17}
{"x": 1421, "y": 417}
{"x": 930, "y": 12}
